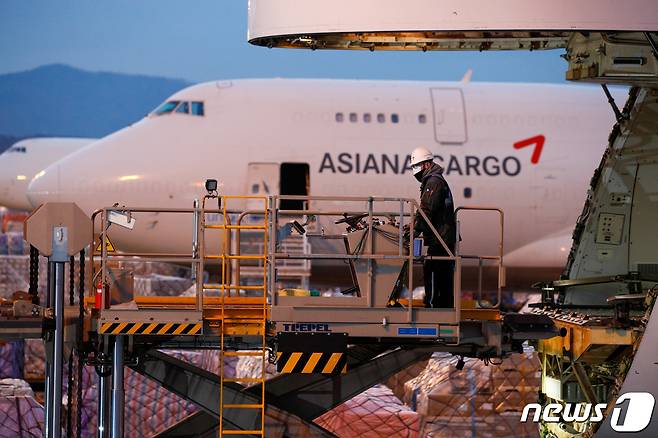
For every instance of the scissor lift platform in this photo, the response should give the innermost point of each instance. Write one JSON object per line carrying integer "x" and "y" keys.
{"x": 374, "y": 249}
{"x": 331, "y": 342}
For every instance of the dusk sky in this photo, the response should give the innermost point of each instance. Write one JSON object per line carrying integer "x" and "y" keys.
{"x": 203, "y": 40}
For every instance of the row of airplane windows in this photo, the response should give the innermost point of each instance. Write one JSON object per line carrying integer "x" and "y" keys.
{"x": 176, "y": 106}
{"x": 381, "y": 118}
{"x": 19, "y": 149}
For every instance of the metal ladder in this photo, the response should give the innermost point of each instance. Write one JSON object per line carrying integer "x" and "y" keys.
{"x": 240, "y": 315}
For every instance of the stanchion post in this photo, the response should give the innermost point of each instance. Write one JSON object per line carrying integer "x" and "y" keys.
{"x": 117, "y": 388}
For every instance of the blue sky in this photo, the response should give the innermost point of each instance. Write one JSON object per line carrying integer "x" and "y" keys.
{"x": 203, "y": 40}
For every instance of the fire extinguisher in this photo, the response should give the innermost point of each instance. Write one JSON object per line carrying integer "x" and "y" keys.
{"x": 98, "y": 298}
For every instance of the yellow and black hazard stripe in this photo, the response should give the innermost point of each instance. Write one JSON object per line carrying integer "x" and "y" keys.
{"x": 155, "y": 328}
{"x": 307, "y": 363}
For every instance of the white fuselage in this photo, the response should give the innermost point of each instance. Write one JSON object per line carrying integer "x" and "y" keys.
{"x": 163, "y": 160}
{"x": 25, "y": 159}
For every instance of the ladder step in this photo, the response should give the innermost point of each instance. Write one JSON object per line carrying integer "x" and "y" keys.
{"x": 235, "y": 257}
{"x": 244, "y": 379}
{"x": 246, "y": 306}
{"x": 244, "y": 353}
{"x": 243, "y": 406}
{"x": 233, "y": 286}
{"x": 242, "y": 432}
{"x": 236, "y": 227}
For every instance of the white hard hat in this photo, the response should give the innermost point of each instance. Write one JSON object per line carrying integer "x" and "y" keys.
{"x": 418, "y": 156}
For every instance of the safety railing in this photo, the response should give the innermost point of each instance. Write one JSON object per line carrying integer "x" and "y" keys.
{"x": 101, "y": 254}
{"x": 288, "y": 268}
{"x": 373, "y": 212}
{"x": 497, "y": 258}
{"x": 403, "y": 214}
{"x": 100, "y": 258}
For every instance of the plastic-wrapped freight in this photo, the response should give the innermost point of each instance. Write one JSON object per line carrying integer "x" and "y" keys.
{"x": 12, "y": 359}
{"x": 479, "y": 400}
{"x": 156, "y": 268}
{"x": 12, "y": 243}
{"x": 210, "y": 362}
{"x": 14, "y": 274}
{"x": 15, "y": 388}
{"x": 396, "y": 381}
{"x": 161, "y": 285}
{"x": 502, "y": 425}
{"x": 149, "y": 408}
{"x": 35, "y": 360}
{"x": 20, "y": 415}
{"x": 374, "y": 413}
{"x": 89, "y": 397}
{"x": 251, "y": 367}
{"x": 163, "y": 279}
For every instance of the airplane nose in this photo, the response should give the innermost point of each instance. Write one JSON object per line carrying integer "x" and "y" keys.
{"x": 45, "y": 186}
{"x": 13, "y": 186}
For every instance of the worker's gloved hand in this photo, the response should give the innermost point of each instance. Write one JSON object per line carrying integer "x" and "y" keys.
{"x": 406, "y": 233}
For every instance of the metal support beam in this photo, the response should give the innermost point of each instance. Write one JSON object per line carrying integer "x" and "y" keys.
{"x": 103, "y": 423}
{"x": 292, "y": 397}
{"x": 200, "y": 424}
{"x": 311, "y": 395}
{"x": 583, "y": 381}
{"x": 48, "y": 344}
{"x": 54, "y": 427}
{"x": 117, "y": 388}
{"x": 642, "y": 383}
{"x": 202, "y": 388}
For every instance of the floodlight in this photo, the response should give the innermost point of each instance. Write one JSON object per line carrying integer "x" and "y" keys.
{"x": 211, "y": 185}
{"x": 123, "y": 219}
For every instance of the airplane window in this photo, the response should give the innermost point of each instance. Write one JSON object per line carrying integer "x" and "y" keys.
{"x": 166, "y": 107}
{"x": 198, "y": 109}
{"x": 367, "y": 117}
{"x": 468, "y": 192}
{"x": 339, "y": 117}
{"x": 422, "y": 118}
{"x": 381, "y": 118}
{"x": 20, "y": 149}
{"x": 184, "y": 107}
{"x": 353, "y": 117}
{"x": 395, "y": 118}
{"x": 254, "y": 188}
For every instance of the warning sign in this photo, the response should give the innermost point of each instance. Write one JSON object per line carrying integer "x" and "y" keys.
{"x": 109, "y": 246}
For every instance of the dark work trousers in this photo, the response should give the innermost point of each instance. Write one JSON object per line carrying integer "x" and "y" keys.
{"x": 438, "y": 274}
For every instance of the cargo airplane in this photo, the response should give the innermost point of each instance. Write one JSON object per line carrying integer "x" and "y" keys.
{"x": 25, "y": 159}
{"x": 529, "y": 149}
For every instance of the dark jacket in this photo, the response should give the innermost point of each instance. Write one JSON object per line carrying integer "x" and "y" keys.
{"x": 437, "y": 203}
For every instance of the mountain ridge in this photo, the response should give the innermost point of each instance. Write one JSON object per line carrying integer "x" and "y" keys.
{"x": 60, "y": 100}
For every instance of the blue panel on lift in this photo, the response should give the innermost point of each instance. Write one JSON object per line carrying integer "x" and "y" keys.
{"x": 407, "y": 331}
{"x": 427, "y": 331}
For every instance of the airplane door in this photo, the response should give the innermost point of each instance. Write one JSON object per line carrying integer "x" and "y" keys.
{"x": 449, "y": 115}
{"x": 294, "y": 181}
{"x": 262, "y": 180}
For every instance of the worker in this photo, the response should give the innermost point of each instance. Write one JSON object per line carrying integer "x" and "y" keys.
{"x": 437, "y": 204}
